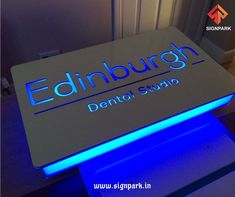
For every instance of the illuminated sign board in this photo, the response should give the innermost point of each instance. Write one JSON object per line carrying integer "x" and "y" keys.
{"x": 82, "y": 104}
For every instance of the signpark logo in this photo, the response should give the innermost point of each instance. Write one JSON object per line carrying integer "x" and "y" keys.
{"x": 217, "y": 14}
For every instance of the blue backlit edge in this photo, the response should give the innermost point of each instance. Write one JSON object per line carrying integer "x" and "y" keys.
{"x": 69, "y": 162}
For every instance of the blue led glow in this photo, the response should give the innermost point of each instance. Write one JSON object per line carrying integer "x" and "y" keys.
{"x": 158, "y": 151}
{"x": 31, "y": 91}
{"x": 181, "y": 50}
{"x": 172, "y": 58}
{"x": 68, "y": 83}
{"x": 176, "y": 60}
{"x": 74, "y": 160}
{"x": 100, "y": 93}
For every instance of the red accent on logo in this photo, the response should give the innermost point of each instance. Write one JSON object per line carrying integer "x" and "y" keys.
{"x": 217, "y": 13}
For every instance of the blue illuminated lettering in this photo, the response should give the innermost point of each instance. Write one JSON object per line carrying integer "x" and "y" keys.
{"x": 74, "y": 81}
{"x": 158, "y": 86}
{"x": 146, "y": 67}
{"x": 111, "y": 71}
{"x": 176, "y": 60}
{"x": 31, "y": 91}
{"x": 181, "y": 49}
{"x": 66, "y": 83}
{"x": 91, "y": 75}
{"x": 93, "y": 107}
{"x": 81, "y": 81}
{"x": 151, "y": 58}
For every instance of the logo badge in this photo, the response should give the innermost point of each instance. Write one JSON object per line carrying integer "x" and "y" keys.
{"x": 217, "y": 13}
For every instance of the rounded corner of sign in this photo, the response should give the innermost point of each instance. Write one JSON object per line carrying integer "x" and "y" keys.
{"x": 12, "y": 69}
{"x": 37, "y": 164}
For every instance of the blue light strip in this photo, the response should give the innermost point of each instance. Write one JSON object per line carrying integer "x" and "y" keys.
{"x": 74, "y": 160}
